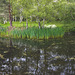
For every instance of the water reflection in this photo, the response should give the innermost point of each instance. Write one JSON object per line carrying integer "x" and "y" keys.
{"x": 31, "y": 57}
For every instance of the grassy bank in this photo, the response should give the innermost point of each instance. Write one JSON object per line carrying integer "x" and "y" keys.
{"x": 31, "y": 24}
{"x": 19, "y": 31}
{"x": 32, "y": 33}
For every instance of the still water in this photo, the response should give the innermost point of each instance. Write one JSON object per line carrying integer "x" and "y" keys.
{"x": 32, "y": 57}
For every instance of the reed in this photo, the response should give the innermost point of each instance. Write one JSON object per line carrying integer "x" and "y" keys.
{"x": 36, "y": 33}
{"x": 33, "y": 32}
{"x": 3, "y": 31}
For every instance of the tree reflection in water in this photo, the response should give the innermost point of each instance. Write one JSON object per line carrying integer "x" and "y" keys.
{"x": 28, "y": 57}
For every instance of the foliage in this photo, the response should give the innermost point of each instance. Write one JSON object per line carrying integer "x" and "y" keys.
{"x": 43, "y": 10}
{"x": 38, "y": 12}
{"x": 70, "y": 26}
{"x": 3, "y": 31}
{"x": 36, "y": 33}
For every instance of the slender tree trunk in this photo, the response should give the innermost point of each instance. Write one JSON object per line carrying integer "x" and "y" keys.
{"x": 37, "y": 19}
{"x": 5, "y": 20}
{"x": 43, "y": 22}
{"x": 26, "y": 23}
{"x": 10, "y": 18}
{"x": 39, "y": 24}
{"x": 72, "y": 16}
{"x": 31, "y": 18}
{"x": 15, "y": 18}
{"x": 21, "y": 18}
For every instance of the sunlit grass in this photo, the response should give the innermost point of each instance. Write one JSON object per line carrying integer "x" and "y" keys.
{"x": 34, "y": 23}
{"x": 30, "y": 24}
{"x": 22, "y": 24}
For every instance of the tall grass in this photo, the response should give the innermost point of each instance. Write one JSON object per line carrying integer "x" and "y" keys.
{"x": 36, "y": 33}
{"x": 3, "y": 31}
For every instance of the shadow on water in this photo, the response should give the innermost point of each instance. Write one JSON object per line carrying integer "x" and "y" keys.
{"x": 31, "y": 57}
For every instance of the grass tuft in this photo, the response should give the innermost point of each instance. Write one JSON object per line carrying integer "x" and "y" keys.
{"x": 36, "y": 33}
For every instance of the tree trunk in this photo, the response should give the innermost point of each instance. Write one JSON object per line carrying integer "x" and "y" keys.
{"x": 37, "y": 19}
{"x": 43, "y": 23}
{"x": 39, "y": 24}
{"x": 5, "y": 20}
{"x": 72, "y": 16}
{"x": 26, "y": 23}
{"x": 20, "y": 18}
{"x": 10, "y": 18}
{"x": 31, "y": 18}
{"x": 15, "y": 18}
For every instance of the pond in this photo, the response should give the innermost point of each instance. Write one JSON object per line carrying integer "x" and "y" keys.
{"x": 43, "y": 57}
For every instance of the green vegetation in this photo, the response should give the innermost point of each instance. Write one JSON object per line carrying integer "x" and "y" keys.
{"x": 28, "y": 17}
{"x": 36, "y": 33}
{"x": 31, "y": 24}
{"x": 3, "y": 31}
{"x": 22, "y": 24}
{"x": 41, "y": 11}
{"x": 33, "y": 33}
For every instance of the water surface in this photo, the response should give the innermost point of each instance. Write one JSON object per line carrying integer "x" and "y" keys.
{"x": 32, "y": 57}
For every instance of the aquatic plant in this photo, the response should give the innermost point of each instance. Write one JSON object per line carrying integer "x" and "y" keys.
{"x": 3, "y": 31}
{"x": 36, "y": 33}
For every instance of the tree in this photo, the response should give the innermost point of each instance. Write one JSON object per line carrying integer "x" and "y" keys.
{"x": 3, "y": 11}
{"x": 27, "y": 6}
{"x": 10, "y": 17}
{"x": 64, "y": 10}
{"x": 15, "y": 9}
{"x": 41, "y": 10}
